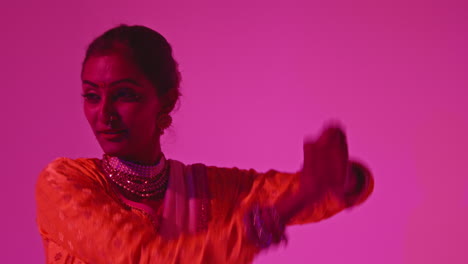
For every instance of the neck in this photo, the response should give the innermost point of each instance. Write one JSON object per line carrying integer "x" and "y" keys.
{"x": 147, "y": 160}
{"x": 151, "y": 156}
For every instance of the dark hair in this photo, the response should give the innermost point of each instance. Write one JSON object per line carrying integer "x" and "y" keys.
{"x": 150, "y": 52}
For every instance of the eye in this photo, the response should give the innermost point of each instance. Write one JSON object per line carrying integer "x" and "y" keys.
{"x": 127, "y": 96}
{"x": 91, "y": 97}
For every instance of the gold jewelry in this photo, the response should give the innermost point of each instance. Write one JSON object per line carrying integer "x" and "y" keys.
{"x": 143, "y": 181}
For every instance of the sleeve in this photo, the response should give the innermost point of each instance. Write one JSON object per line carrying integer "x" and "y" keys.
{"x": 228, "y": 187}
{"x": 235, "y": 188}
{"x": 58, "y": 255}
{"x": 78, "y": 219}
{"x": 330, "y": 204}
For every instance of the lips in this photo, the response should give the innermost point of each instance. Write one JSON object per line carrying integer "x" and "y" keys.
{"x": 112, "y": 131}
{"x": 114, "y": 135}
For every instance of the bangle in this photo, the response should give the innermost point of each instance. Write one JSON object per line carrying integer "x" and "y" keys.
{"x": 265, "y": 226}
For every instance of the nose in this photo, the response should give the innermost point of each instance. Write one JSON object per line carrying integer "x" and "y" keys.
{"x": 107, "y": 110}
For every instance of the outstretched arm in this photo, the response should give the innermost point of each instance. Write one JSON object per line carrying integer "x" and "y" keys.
{"x": 327, "y": 184}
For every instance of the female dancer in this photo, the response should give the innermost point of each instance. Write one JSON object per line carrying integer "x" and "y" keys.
{"x": 135, "y": 206}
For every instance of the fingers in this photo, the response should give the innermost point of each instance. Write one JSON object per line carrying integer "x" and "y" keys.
{"x": 326, "y": 159}
{"x": 332, "y": 138}
{"x": 333, "y": 134}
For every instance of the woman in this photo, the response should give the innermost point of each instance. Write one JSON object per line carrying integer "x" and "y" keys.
{"x": 136, "y": 206}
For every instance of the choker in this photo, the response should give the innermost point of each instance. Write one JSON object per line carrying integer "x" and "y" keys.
{"x": 142, "y": 181}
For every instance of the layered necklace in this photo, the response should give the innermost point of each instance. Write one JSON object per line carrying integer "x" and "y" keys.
{"x": 141, "y": 181}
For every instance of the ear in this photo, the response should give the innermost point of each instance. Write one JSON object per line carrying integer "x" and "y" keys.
{"x": 163, "y": 121}
{"x": 169, "y": 100}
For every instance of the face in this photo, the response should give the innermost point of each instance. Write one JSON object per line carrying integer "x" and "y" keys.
{"x": 122, "y": 107}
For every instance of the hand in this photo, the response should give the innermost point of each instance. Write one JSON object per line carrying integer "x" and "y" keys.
{"x": 325, "y": 165}
{"x": 325, "y": 169}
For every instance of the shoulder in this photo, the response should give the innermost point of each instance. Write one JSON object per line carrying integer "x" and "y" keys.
{"x": 62, "y": 163}
{"x": 64, "y": 182}
{"x": 66, "y": 170}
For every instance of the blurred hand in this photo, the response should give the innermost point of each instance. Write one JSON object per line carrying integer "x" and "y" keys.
{"x": 325, "y": 170}
{"x": 325, "y": 165}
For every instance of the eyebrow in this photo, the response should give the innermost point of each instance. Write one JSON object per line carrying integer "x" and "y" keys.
{"x": 126, "y": 80}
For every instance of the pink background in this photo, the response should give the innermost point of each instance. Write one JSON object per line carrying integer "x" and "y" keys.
{"x": 258, "y": 76}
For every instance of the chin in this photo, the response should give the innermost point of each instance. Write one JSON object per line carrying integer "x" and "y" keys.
{"x": 116, "y": 150}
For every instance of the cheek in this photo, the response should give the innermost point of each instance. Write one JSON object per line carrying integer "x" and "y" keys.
{"x": 132, "y": 115}
{"x": 90, "y": 114}
{"x": 147, "y": 121}
{"x": 143, "y": 120}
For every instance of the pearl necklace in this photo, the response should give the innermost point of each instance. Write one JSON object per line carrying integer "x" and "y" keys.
{"x": 143, "y": 181}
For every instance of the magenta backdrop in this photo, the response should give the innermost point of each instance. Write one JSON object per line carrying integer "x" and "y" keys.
{"x": 257, "y": 77}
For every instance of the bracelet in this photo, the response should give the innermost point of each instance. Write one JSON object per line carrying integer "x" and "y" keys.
{"x": 265, "y": 226}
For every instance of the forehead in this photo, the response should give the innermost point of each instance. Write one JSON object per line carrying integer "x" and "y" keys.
{"x": 103, "y": 70}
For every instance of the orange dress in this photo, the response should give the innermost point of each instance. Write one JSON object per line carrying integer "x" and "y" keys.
{"x": 82, "y": 220}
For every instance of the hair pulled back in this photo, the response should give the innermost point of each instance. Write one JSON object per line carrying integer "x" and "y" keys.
{"x": 150, "y": 52}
